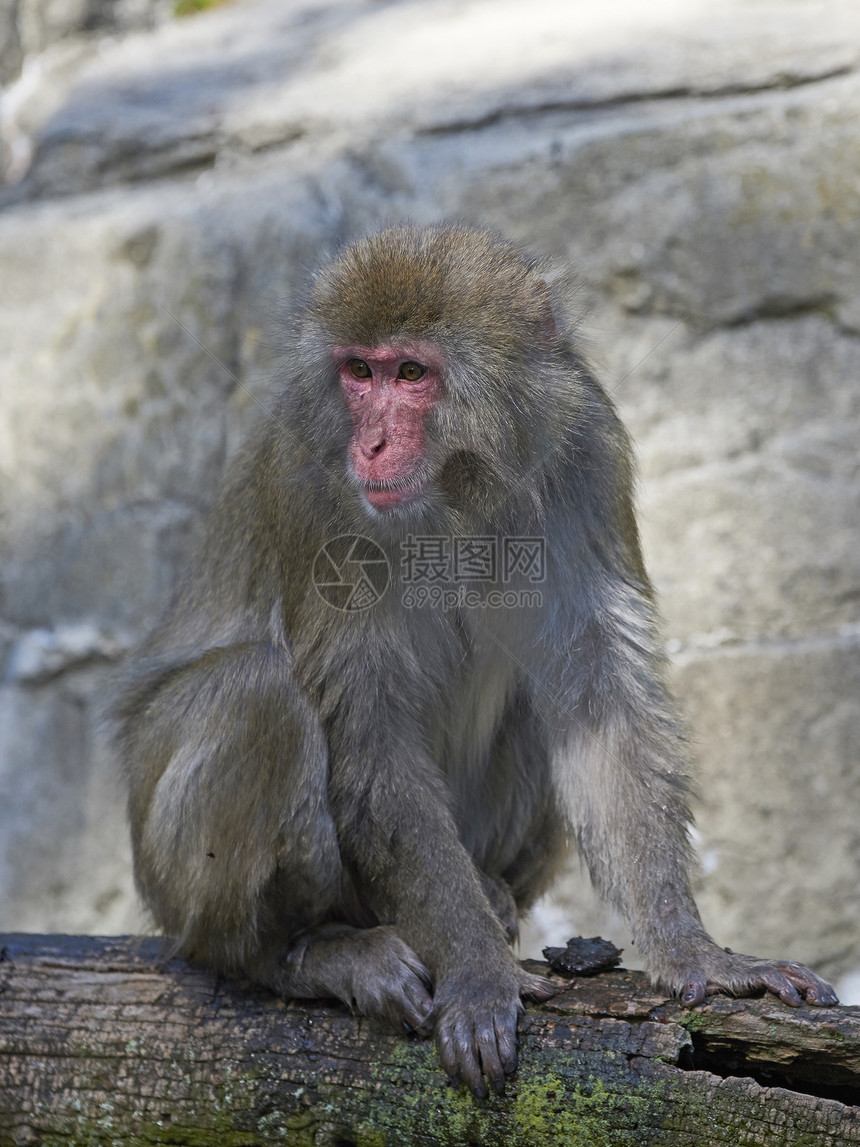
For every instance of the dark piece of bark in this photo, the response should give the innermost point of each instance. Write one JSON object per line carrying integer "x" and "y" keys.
{"x": 100, "y": 1043}
{"x": 581, "y": 957}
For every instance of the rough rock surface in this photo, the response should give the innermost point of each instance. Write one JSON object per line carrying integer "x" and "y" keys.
{"x": 166, "y": 190}
{"x": 28, "y": 27}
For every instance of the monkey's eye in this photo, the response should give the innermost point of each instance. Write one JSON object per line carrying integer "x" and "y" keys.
{"x": 412, "y": 371}
{"x": 359, "y": 368}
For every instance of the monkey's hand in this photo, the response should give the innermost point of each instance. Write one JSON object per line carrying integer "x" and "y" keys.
{"x": 476, "y": 1023}
{"x": 722, "y": 970}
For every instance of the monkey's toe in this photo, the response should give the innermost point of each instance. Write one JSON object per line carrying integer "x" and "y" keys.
{"x": 400, "y": 999}
{"x": 387, "y": 980}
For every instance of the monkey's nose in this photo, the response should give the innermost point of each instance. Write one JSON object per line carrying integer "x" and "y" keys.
{"x": 374, "y": 447}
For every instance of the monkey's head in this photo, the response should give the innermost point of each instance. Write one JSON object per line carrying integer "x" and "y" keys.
{"x": 442, "y": 348}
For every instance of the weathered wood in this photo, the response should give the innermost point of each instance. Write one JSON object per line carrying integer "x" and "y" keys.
{"x": 102, "y": 1044}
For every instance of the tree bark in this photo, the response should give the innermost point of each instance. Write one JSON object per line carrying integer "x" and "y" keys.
{"x": 104, "y": 1042}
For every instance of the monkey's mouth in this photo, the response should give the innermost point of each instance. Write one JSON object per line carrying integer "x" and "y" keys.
{"x": 388, "y": 495}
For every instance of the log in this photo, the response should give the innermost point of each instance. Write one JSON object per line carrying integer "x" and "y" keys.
{"x": 104, "y": 1042}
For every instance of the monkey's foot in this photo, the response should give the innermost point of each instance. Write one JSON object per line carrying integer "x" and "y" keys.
{"x": 476, "y": 1024}
{"x": 390, "y": 982}
{"x": 727, "y": 971}
{"x": 371, "y": 969}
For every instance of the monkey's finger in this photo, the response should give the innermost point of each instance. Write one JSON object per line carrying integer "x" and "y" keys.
{"x": 821, "y": 996}
{"x": 458, "y": 1053}
{"x": 470, "y": 1069}
{"x": 694, "y": 992}
{"x": 493, "y": 1034}
{"x": 417, "y": 967}
{"x": 473, "y": 1077}
{"x": 425, "y": 1028}
{"x": 777, "y": 983}
{"x": 418, "y": 1012}
{"x": 815, "y": 990}
{"x": 490, "y": 1061}
{"x": 446, "y": 1055}
{"x": 537, "y": 988}
{"x": 418, "y": 1020}
{"x": 446, "y": 1041}
{"x": 506, "y": 1040}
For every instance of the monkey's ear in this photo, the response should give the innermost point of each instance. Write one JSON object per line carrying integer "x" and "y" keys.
{"x": 542, "y": 297}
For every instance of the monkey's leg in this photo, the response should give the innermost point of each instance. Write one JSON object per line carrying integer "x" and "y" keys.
{"x": 235, "y": 847}
{"x": 621, "y": 772}
{"x": 370, "y": 969}
{"x": 523, "y": 838}
{"x": 502, "y": 902}
{"x": 227, "y": 769}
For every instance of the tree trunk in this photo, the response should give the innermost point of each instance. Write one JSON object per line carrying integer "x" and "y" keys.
{"x": 103, "y": 1043}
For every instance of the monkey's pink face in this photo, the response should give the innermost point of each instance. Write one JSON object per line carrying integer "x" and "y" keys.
{"x": 389, "y": 390}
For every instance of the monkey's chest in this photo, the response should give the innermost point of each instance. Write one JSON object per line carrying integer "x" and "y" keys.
{"x": 468, "y": 727}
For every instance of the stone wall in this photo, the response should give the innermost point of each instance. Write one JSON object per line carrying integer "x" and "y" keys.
{"x": 166, "y": 191}
{"x": 28, "y": 27}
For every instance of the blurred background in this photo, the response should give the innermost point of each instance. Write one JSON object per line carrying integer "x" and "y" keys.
{"x": 170, "y": 172}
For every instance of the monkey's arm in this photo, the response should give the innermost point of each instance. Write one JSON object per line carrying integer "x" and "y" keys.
{"x": 398, "y": 836}
{"x": 620, "y": 770}
{"x": 616, "y": 746}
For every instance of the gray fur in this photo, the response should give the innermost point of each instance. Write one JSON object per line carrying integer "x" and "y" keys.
{"x": 360, "y": 805}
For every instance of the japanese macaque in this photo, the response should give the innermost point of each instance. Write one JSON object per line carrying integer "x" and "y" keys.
{"x": 360, "y": 803}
